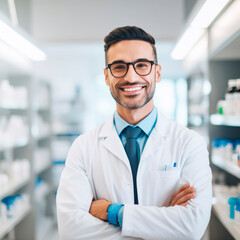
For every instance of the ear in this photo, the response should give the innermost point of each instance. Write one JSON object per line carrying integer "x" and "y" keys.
{"x": 106, "y": 76}
{"x": 158, "y": 73}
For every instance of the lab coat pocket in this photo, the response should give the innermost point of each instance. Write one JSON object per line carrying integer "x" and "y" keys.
{"x": 163, "y": 185}
{"x": 169, "y": 173}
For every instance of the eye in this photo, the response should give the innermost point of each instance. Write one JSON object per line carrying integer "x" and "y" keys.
{"x": 118, "y": 67}
{"x": 142, "y": 65}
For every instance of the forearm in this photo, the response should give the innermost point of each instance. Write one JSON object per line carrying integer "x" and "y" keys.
{"x": 81, "y": 225}
{"x": 178, "y": 222}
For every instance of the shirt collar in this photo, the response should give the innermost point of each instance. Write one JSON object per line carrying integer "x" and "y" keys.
{"x": 146, "y": 124}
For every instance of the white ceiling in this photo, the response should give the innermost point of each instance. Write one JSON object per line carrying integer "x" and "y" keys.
{"x": 91, "y": 20}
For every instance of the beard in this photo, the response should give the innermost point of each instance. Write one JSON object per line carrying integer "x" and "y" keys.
{"x": 134, "y": 104}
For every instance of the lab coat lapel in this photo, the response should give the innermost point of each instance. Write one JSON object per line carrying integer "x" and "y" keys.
{"x": 157, "y": 137}
{"x": 112, "y": 141}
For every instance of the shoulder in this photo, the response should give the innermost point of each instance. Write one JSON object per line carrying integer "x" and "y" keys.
{"x": 83, "y": 146}
{"x": 177, "y": 132}
{"x": 93, "y": 135}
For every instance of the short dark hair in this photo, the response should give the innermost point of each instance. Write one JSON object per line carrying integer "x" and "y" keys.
{"x": 128, "y": 33}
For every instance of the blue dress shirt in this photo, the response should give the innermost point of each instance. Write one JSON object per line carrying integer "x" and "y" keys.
{"x": 115, "y": 210}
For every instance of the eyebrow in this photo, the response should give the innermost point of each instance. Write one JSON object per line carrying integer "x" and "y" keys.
{"x": 138, "y": 60}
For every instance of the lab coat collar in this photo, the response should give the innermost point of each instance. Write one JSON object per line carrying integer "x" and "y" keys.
{"x": 162, "y": 125}
{"x": 113, "y": 143}
{"x": 157, "y": 137}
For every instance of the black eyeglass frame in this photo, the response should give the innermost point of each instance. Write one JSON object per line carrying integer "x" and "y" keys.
{"x": 132, "y": 63}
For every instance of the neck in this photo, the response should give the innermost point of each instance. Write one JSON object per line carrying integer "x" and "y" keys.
{"x": 134, "y": 116}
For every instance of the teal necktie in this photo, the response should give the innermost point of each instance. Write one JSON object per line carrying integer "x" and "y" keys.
{"x": 133, "y": 153}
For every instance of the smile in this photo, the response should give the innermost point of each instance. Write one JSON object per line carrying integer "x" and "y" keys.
{"x": 131, "y": 89}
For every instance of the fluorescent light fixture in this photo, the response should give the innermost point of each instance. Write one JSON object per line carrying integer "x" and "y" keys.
{"x": 202, "y": 20}
{"x": 13, "y": 12}
{"x": 21, "y": 44}
{"x": 208, "y": 12}
{"x": 12, "y": 56}
{"x": 186, "y": 42}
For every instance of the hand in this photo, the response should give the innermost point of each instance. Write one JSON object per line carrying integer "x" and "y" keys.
{"x": 99, "y": 209}
{"x": 183, "y": 195}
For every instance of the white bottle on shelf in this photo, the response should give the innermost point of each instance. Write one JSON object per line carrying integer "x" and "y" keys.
{"x": 236, "y": 97}
{"x": 228, "y": 151}
{"x": 4, "y": 181}
{"x": 229, "y": 96}
{"x": 3, "y": 214}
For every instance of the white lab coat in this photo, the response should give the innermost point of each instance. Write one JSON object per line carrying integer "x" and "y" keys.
{"x": 97, "y": 167}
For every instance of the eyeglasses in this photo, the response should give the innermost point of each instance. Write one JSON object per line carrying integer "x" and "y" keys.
{"x": 141, "y": 67}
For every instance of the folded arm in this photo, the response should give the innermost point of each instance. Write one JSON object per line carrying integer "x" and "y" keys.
{"x": 183, "y": 219}
{"x": 74, "y": 199}
{"x": 100, "y": 208}
{"x": 177, "y": 222}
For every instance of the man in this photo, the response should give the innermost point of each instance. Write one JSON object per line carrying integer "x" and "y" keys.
{"x": 133, "y": 176}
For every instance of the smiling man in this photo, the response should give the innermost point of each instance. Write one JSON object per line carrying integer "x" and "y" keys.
{"x": 132, "y": 84}
{"x": 139, "y": 175}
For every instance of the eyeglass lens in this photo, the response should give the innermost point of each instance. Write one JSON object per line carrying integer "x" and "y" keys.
{"x": 141, "y": 68}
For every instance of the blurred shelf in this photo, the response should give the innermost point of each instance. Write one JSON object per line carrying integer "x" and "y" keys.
{"x": 43, "y": 137}
{"x": 44, "y": 167}
{"x": 21, "y": 143}
{"x": 222, "y": 212}
{"x": 40, "y": 195}
{"x": 12, "y": 222}
{"x": 227, "y": 166}
{"x": 43, "y": 109}
{"x": 222, "y": 120}
{"x": 44, "y": 227}
{"x": 67, "y": 134}
{"x": 14, "y": 186}
{"x": 13, "y": 107}
{"x": 59, "y": 162}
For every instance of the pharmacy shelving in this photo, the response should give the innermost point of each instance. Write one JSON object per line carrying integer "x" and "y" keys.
{"x": 45, "y": 166}
{"x": 224, "y": 64}
{"x": 226, "y": 165}
{"x": 16, "y": 144}
{"x": 13, "y": 222}
{"x": 61, "y": 145}
{"x": 44, "y": 229}
{"x": 67, "y": 127}
{"x": 198, "y": 103}
{"x": 42, "y": 138}
{"x": 20, "y": 107}
{"x": 221, "y": 208}
{"x": 222, "y": 120}
{"x": 5, "y": 110}
{"x": 13, "y": 187}
{"x": 216, "y": 58}
{"x": 25, "y": 226}
{"x": 222, "y": 212}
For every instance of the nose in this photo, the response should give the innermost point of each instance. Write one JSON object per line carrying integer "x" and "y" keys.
{"x": 131, "y": 75}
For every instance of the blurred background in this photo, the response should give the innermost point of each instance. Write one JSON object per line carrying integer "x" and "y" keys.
{"x": 52, "y": 89}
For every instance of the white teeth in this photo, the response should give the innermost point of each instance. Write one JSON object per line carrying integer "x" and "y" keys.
{"x": 132, "y": 89}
